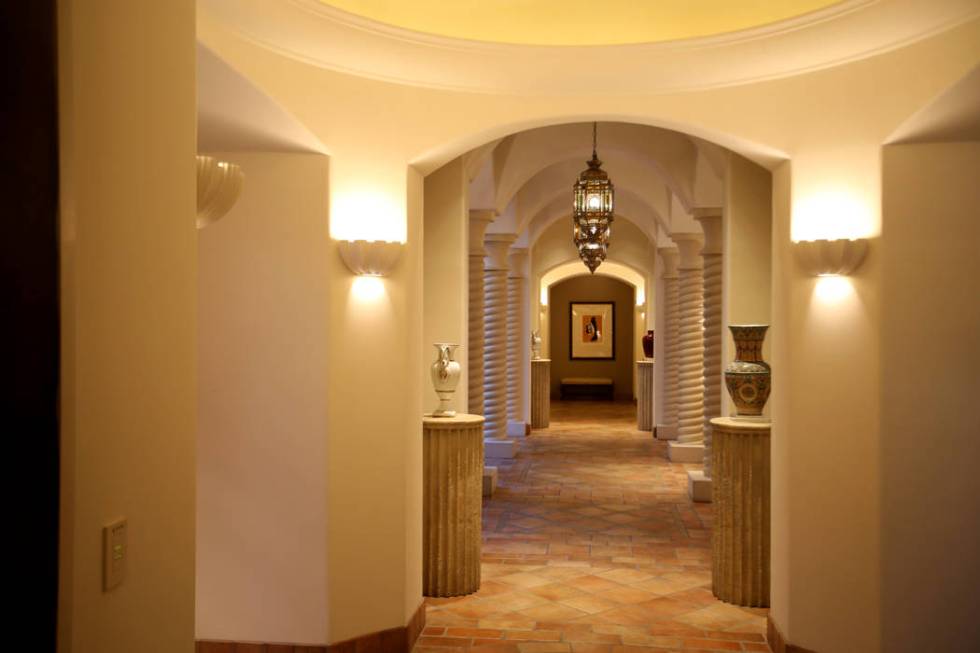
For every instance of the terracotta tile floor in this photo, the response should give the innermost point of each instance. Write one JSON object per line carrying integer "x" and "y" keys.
{"x": 590, "y": 545}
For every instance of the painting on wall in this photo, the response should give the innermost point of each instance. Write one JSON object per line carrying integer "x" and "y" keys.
{"x": 592, "y": 331}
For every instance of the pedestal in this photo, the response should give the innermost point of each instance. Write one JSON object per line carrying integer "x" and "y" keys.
{"x": 740, "y": 479}
{"x": 644, "y": 395}
{"x": 540, "y": 393}
{"x": 452, "y": 486}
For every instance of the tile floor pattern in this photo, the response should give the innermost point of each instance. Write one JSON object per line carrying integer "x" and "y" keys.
{"x": 590, "y": 545}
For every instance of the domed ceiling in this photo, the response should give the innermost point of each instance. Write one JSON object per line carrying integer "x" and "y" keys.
{"x": 578, "y": 22}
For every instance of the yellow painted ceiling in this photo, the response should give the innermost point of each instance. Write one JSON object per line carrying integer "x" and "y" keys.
{"x": 578, "y": 22}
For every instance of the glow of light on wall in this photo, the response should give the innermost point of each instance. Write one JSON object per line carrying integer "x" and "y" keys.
{"x": 368, "y": 289}
{"x": 641, "y": 297}
{"x": 833, "y": 289}
{"x": 367, "y": 215}
{"x": 544, "y": 295}
{"x": 830, "y": 215}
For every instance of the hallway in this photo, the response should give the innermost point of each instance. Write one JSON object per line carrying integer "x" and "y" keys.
{"x": 592, "y": 546}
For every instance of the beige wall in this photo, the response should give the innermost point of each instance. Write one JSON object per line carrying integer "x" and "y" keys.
{"x": 128, "y": 315}
{"x": 446, "y": 274}
{"x": 592, "y": 289}
{"x": 747, "y": 262}
{"x": 262, "y": 329}
{"x": 930, "y": 373}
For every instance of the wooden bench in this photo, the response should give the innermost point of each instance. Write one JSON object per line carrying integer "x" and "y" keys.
{"x": 586, "y": 386}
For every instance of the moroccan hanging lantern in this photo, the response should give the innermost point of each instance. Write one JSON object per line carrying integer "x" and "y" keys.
{"x": 592, "y": 211}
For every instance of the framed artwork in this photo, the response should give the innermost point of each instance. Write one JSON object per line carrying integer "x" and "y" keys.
{"x": 592, "y": 330}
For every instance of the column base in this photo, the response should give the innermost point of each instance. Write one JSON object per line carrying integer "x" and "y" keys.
{"x": 489, "y": 481}
{"x": 666, "y": 431}
{"x": 499, "y": 448}
{"x": 685, "y": 453}
{"x": 698, "y": 486}
{"x": 518, "y": 429}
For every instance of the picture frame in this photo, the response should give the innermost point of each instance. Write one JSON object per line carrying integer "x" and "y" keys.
{"x": 592, "y": 330}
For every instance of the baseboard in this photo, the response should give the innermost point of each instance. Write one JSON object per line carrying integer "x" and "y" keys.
{"x": 393, "y": 640}
{"x": 777, "y": 642}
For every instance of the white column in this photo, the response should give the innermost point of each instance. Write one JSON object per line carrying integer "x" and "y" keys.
{"x": 689, "y": 447}
{"x": 699, "y": 482}
{"x": 495, "y": 327}
{"x": 667, "y": 408}
{"x": 518, "y": 337}
{"x": 479, "y": 221}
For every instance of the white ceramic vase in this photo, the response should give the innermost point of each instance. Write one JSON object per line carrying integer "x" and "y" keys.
{"x": 445, "y": 377}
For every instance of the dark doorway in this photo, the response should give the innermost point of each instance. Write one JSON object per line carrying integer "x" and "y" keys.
{"x": 29, "y": 295}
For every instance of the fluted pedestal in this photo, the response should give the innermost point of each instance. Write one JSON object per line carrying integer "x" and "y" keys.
{"x": 540, "y": 393}
{"x": 740, "y": 491}
{"x": 644, "y": 395}
{"x": 452, "y": 478}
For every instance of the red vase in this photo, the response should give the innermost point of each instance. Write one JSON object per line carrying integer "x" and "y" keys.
{"x": 648, "y": 344}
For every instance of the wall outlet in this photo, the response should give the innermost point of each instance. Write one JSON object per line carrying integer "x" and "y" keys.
{"x": 114, "y": 552}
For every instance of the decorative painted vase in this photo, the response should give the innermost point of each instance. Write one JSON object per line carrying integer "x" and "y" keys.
{"x": 748, "y": 377}
{"x": 445, "y": 377}
{"x": 535, "y": 345}
{"x": 648, "y": 344}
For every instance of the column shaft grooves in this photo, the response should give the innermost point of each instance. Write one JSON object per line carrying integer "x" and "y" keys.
{"x": 712, "y": 350}
{"x": 671, "y": 369}
{"x": 495, "y": 353}
{"x": 690, "y": 402}
{"x": 475, "y": 352}
{"x": 515, "y": 333}
{"x": 540, "y": 393}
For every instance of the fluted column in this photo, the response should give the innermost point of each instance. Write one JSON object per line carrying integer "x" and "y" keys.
{"x": 495, "y": 328}
{"x": 479, "y": 221}
{"x": 518, "y": 333}
{"x": 667, "y": 425}
{"x": 452, "y": 459}
{"x": 689, "y": 447}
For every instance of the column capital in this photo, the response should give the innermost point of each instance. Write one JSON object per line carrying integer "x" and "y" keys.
{"x": 710, "y": 219}
{"x": 518, "y": 260}
{"x": 689, "y": 245}
{"x": 480, "y": 219}
{"x": 497, "y": 248}
{"x": 669, "y": 256}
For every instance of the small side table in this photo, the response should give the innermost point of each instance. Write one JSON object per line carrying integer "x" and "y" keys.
{"x": 540, "y": 393}
{"x": 452, "y": 500}
{"x": 644, "y": 395}
{"x": 740, "y": 492}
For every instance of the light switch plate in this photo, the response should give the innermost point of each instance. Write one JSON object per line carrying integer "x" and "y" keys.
{"x": 114, "y": 552}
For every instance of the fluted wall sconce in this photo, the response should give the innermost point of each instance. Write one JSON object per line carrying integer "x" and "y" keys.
{"x": 219, "y": 184}
{"x": 830, "y": 258}
{"x": 370, "y": 258}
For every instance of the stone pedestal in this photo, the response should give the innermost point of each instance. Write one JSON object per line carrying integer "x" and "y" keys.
{"x": 452, "y": 488}
{"x": 540, "y": 393}
{"x": 740, "y": 479}
{"x": 644, "y": 395}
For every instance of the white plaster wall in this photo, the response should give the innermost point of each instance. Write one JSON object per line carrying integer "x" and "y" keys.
{"x": 127, "y": 245}
{"x": 930, "y": 373}
{"x": 445, "y": 293}
{"x": 263, "y": 325}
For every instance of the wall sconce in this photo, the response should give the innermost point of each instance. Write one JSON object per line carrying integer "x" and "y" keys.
{"x": 370, "y": 258}
{"x": 830, "y": 258}
{"x": 219, "y": 184}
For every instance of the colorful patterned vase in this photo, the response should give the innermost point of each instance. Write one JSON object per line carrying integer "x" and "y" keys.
{"x": 648, "y": 344}
{"x": 748, "y": 378}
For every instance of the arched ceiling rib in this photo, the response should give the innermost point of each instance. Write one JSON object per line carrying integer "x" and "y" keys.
{"x": 628, "y": 207}
{"x": 670, "y": 156}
